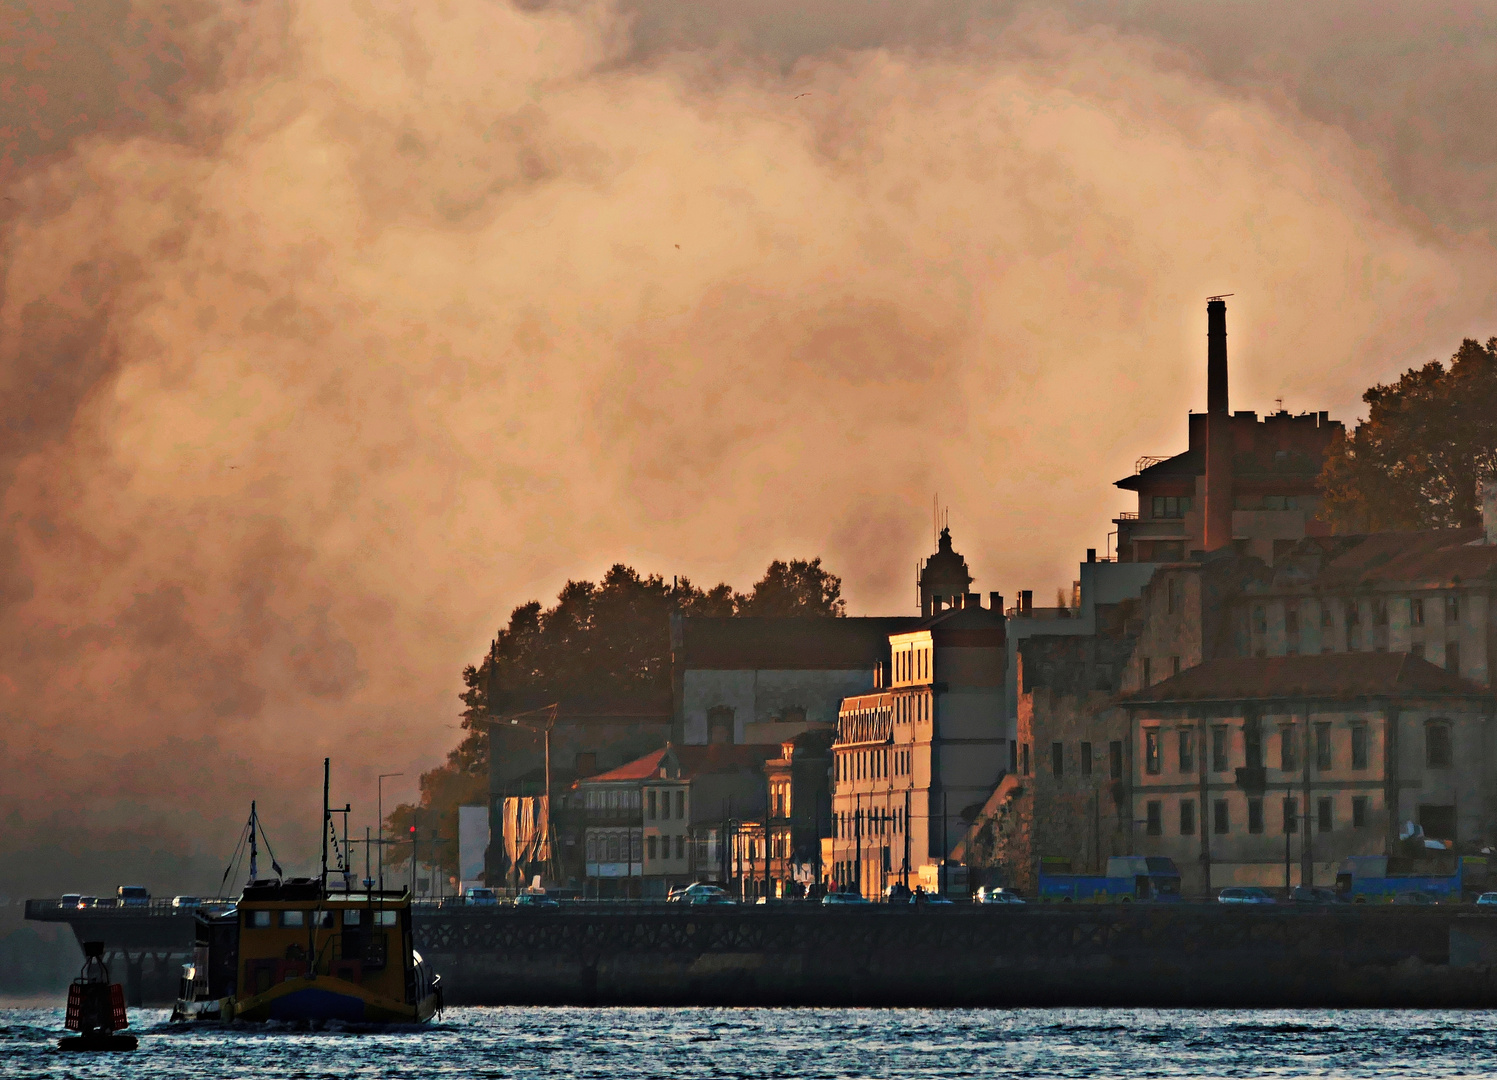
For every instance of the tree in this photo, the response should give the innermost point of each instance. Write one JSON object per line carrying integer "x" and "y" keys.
{"x": 1418, "y": 458}
{"x": 606, "y": 639}
{"x": 794, "y": 588}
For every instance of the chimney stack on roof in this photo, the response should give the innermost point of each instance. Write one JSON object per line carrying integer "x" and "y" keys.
{"x": 1218, "y": 509}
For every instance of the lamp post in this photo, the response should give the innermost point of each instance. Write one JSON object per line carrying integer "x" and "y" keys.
{"x": 380, "y": 789}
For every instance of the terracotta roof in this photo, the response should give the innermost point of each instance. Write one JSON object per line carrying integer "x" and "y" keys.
{"x": 1340, "y": 676}
{"x": 694, "y": 761}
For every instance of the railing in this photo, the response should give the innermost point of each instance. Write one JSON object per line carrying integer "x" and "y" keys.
{"x": 1148, "y": 460}
{"x": 1126, "y": 515}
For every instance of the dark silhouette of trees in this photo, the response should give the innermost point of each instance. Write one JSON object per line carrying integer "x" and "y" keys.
{"x": 604, "y": 639}
{"x": 1418, "y": 459}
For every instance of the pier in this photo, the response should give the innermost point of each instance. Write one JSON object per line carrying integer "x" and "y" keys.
{"x": 958, "y": 955}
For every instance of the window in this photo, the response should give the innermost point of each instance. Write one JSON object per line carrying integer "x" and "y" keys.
{"x": 1291, "y": 815}
{"x": 1155, "y": 818}
{"x": 650, "y": 806}
{"x": 1252, "y": 741}
{"x": 681, "y": 803}
{"x": 1222, "y": 825}
{"x": 1379, "y": 612}
{"x": 1187, "y": 817}
{"x": 1452, "y": 609}
{"x": 1058, "y": 759}
{"x": 1359, "y": 746}
{"x": 1187, "y": 740}
{"x": 1453, "y": 657}
{"x": 650, "y": 847}
{"x": 1148, "y": 675}
{"x": 258, "y": 919}
{"x": 1288, "y": 758}
{"x": 1327, "y": 617}
{"x": 1437, "y": 745}
{"x": 386, "y": 918}
{"x": 1291, "y": 619}
{"x": 1255, "y": 815}
{"x": 1359, "y": 812}
{"x": 1416, "y": 612}
{"x": 1323, "y": 747}
{"x": 1115, "y": 759}
{"x": 1218, "y": 749}
{"x": 1013, "y": 757}
{"x": 1025, "y": 769}
{"x": 636, "y": 848}
{"x": 293, "y": 918}
{"x": 351, "y": 916}
{"x": 1086, "y": 759}
{"x": 1353, "y": 616}
{"x": 592, "y": 849}
{"x": 1151, "y": 751}
{"x": 1170, "y": 506}
{"x": 1323, "y": 814}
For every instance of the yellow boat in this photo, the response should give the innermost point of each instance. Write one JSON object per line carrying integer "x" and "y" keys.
{"x": 296, "y": 950}
{"x": 290, "y": 950}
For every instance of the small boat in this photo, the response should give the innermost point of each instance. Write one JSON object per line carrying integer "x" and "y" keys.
{"x": 293, "y": 949}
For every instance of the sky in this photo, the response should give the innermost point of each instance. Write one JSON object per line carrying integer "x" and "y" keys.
{"x": 330, "y": 332}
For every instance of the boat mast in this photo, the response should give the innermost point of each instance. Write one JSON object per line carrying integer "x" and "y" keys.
{"x": 254, "y": 850}
{"x": 326, "y": 817}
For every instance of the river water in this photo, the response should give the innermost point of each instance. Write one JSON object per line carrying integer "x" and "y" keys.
{"x": 613, "y": 1044}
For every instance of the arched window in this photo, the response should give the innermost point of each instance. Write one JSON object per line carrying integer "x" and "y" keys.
{"x": 592, "y": 849}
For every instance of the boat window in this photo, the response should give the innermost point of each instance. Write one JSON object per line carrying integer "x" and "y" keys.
{"x": 385, "y": 918}
{"x": 258, "y": 918}
{"x": 351, "y": 917}
{"x": 293, "y": 918}
{"x": 324, "y": 919}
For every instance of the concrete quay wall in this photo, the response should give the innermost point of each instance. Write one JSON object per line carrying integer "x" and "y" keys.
{"x": 804, "y": 955}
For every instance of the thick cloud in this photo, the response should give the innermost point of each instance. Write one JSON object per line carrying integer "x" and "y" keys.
{"x": 360, "y": 322}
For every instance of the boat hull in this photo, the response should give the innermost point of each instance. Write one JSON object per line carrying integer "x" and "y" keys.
{"x": 311, "y": 999}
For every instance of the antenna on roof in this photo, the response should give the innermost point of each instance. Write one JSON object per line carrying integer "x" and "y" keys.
{"x": 1221, "y": 296}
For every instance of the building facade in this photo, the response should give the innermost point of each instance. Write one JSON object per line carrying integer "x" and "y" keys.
{"x": 1270, "y": 771}
{"x": 913, "y": 762}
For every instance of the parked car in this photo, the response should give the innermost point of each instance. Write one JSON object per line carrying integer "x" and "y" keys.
{"x": 106, "y": 902}
{"x": 1308, "y": 894}
{"x": 70, "y": 899}
{"x": 535, "y": 900}
{"x": 87, "y": 901}
{"x": 1487, "y": 899}
{"x": 1416, "y": 898}
{"x": 844, "y": 898}
{"x": 998, "y": 896}
{"x": 133, "y": 896}
{"x": 1243, "y": 894}
{"x": 481, "y": 897}
{"x": 898, "y": 894}
{"x": 700, "y": 893}
{"x": 186, "y": 902}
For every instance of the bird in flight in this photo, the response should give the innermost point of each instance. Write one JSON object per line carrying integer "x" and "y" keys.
{"x": 799, "y": 96}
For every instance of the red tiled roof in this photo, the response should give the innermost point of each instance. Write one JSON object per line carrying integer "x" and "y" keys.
{"x": 694, "y": 761}
{"x": 1328, "y": 675}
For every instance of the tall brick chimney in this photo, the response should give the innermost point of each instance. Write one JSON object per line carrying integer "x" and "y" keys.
{"x": 1218, "y": 509}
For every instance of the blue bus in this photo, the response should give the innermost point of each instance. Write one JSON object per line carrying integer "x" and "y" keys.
{"x": 1377, "y": 879}
{"x": 1129, "y": 878}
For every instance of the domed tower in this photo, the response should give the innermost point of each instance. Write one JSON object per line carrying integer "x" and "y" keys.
{"x": 944, "y": 577}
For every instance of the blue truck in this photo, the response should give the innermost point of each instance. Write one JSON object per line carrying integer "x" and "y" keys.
{"x": 1129, "y": 878}
{"x": 1377, "y": 879}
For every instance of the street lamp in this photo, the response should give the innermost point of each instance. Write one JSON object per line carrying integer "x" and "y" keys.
{"x": 380, "y": 789}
